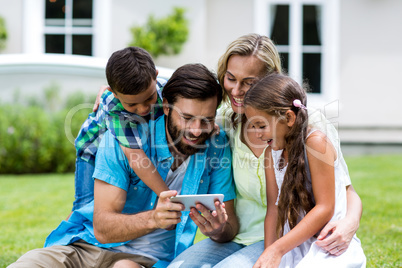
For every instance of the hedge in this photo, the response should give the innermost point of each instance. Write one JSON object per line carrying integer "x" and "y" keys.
{"x": 33, "y": 135}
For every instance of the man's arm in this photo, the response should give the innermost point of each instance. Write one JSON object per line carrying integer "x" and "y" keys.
{"x": 111, "y": 225}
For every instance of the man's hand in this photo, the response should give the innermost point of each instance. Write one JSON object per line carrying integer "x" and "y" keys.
{"x": 210, "y": 223}
{"x": 167, "y": 214}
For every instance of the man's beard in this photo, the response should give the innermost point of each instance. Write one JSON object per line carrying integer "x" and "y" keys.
{"x": 176, "y": 135}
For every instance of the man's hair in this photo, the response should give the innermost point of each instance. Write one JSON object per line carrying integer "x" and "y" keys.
{"x": 192, "y": 81}
{"x": 130, "y": 71}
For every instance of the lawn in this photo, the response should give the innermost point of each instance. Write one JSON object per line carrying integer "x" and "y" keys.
{"x": 31, "y": 206}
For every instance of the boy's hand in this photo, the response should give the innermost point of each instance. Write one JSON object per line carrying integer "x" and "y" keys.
{"x": 98, "y": 97}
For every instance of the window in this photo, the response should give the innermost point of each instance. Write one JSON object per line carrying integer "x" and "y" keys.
{"x": 69, "y": 27}
{"x": 305, "y": 33}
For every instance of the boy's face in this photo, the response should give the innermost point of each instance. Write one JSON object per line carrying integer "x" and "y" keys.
{"x": 141, "y": 103}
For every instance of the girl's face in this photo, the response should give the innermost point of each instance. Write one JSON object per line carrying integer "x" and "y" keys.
{"x": 242, "y": 72}
{"x": 268, "y": 128}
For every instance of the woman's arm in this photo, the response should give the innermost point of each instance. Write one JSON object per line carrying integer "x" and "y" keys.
{"x": 337, "y": 235}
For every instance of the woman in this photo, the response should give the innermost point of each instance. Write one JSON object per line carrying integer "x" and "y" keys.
{"x": 246, "y": 60}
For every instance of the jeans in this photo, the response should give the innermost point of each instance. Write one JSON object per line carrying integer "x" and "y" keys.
{"x": 207, "y": 254}
{"x": 84, "y": 183}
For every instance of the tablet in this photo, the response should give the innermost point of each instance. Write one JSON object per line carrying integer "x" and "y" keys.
{"x": 190, "y": 201}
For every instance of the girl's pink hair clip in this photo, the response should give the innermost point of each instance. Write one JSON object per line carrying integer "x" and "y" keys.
{"x": 297, "y": 103}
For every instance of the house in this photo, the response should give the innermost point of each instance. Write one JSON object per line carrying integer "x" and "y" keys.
{"x": 349, "y": 50}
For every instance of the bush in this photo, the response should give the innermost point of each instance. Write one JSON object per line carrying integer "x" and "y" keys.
{"x": 164, "y": 36}
{"x": 33, "y": 137}
{"x": 3, "y": 33}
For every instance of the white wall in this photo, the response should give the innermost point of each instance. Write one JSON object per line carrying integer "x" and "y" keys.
{"x": 371, "y": 63}
{"x": 11, "y": 11}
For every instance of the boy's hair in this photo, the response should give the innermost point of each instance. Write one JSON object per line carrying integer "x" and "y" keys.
{"x": 192, "y": 81}
{"x": 130, "y": 71}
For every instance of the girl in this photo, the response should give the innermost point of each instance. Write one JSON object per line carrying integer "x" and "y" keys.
{"x": 304, "y": 189}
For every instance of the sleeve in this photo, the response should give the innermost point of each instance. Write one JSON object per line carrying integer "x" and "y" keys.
{"x": 111, "y": 165}
{"x": 318, "y": 121}
{"x": 124, "y": 130}
{"x": 221, "y": 180}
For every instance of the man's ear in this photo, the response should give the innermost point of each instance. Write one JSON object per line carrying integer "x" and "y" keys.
{"x": 157, "y": 72}
{"x": 290, "y": 118}
{"x": 166, "y": 107}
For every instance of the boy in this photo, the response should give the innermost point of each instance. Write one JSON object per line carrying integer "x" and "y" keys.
{"x": 135, "y": 97}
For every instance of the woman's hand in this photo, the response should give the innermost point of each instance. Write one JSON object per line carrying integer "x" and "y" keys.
{"x": 269, "y": 258}
{"x": 98, "y": 97}
{"x": 336, "y": 236}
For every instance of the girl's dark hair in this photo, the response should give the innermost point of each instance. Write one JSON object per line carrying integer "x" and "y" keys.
{"x": 130, "y": 71}
{"x": 192, "y": 81}
{"x": 274, "y": 95}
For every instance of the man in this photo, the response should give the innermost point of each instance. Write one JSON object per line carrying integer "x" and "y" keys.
{"x": 123, "y": 226}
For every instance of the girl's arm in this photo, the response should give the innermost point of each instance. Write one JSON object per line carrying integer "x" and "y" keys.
{"x": 271, "y": 217}
{"x": 145, "y": 169}
{"x": 337, "y": 235}
{"x": 321, "y": 156}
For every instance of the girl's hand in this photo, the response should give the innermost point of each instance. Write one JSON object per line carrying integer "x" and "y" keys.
{"x": 269, "y": 258}
{"x": 98, "y": 97}
{"x": 336, "y": 236}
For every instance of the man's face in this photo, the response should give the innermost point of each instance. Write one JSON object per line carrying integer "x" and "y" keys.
{"x": 190, "y": 122}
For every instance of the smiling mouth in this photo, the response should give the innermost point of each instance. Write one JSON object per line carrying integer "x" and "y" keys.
{"x": 237, "y": 101}
{"x": 144, "y": 114}
{"x": 191, "y": 140}
{"x": 269, "y": 141}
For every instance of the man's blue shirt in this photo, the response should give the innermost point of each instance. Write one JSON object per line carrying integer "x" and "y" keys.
{"x": 208, "y": 171}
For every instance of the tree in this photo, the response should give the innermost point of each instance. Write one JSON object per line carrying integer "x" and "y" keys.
{"x": 164, "y": 36}
{"x": 3, "y": 33}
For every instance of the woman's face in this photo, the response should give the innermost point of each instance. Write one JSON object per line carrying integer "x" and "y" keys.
{"x": 242, "y": 72}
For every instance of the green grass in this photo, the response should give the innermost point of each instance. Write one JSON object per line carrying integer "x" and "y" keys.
{"x": 32, "y": 206}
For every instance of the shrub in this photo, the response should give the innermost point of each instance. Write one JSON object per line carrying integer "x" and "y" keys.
{"x": 164, "y": 36}
{"x": 33, "y": 137}
{"x": 3, "y": 33}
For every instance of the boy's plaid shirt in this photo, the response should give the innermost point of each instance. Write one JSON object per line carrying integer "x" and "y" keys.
{"x": 122, "y": 124}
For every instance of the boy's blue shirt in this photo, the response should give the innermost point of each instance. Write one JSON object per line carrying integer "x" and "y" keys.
{"x": 208, "y": 171}
{"x": 111, "y": 115}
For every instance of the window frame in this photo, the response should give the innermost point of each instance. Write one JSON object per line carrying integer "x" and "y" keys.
{"x": 329, "y": 45}
{"x": 34, "y": 28}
